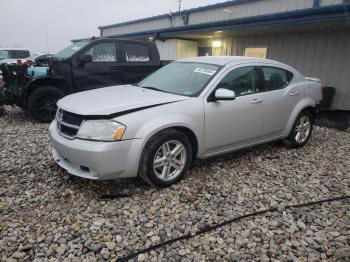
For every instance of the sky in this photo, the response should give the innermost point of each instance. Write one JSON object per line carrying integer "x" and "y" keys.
{"x": 50, "y": 25}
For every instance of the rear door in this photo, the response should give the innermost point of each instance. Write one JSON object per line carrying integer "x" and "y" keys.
{"x": 280, "y": 97}
{"x": 234, "y": 123}
{"x": 105, "y": 69}
{"x": 137, "y": 61}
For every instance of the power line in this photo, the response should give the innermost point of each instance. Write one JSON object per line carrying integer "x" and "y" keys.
{"x": 224, "y": 223}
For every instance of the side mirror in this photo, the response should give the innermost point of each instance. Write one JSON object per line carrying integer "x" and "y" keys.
{"x": 224, "y": 94}
{"x": 85, "y": 58}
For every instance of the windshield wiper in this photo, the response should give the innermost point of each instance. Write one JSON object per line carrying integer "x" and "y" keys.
{"x": 153, "y": 88}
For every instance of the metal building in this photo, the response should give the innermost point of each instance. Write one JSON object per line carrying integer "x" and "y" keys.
{"x": 311, "y": 35}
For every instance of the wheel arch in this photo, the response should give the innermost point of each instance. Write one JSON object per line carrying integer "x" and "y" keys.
{"x": 144, "y": 149}
{"x": 311, "y": 109}
{"x": 306, "y": 104}
{"x": 52, "y": 81}
{"x": 191, "y": 136}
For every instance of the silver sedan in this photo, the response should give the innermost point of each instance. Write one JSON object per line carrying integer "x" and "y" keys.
{"x": 191, "y": 108}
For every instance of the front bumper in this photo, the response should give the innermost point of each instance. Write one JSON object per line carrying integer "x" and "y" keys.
{"x": 96, "y": 160}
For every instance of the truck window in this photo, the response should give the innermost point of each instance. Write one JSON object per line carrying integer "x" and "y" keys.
{"x": 70, "y": 50}
{"x": 136, "y": 53}
{"x": 104, "y": 52}
{"x": 19, "y": 53}
{"x": 4, "y": 54}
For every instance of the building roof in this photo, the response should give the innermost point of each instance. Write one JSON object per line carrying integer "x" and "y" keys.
{"x": 314, "y": 15}
{"x": 187, "y": 11}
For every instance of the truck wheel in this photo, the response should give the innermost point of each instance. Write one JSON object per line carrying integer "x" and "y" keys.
{"x": 166, "y": 158}
{"x": 301, "y": 130}
{"x": 42, "y": 101}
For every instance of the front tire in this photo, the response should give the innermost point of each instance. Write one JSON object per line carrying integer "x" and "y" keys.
{"x": 42, "y": 101}
{"x": 166, "y": 158}
{"x": 301, "y": 130}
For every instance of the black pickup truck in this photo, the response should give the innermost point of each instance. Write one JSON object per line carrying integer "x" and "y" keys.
{"x": 84, "y": 65}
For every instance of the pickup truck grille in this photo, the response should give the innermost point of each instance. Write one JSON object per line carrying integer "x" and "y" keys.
{"x": 68, "y": 123}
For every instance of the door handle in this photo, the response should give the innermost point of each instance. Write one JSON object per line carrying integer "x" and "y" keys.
{"x": 294, "y": 93}
{"x": 255, "y": 101}
{"x": 115, "y": 68}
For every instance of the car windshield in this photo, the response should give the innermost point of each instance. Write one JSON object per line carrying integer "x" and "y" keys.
{"x": 33, "y": 56}
{"x": 70, "y": 50}
{"x": 4, "y": 54}
{"x": 181, "y": 78}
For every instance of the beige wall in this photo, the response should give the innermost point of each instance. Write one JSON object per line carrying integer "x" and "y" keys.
{"x": 185, "y": 49}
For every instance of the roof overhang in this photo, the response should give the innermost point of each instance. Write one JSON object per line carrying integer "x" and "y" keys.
{"x": 331, "y": 14}
{"x": 188, "y": 11}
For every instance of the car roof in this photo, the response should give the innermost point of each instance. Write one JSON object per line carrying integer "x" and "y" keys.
{"x": 223, "y": 60}
{"x": 13, "y": 48}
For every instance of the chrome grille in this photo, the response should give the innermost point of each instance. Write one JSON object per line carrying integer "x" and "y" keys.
{"x": 68, "y": 123}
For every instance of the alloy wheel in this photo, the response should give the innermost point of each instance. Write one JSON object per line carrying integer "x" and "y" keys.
{"x": 303, "y": 129}
{"x": 169, "y": 160}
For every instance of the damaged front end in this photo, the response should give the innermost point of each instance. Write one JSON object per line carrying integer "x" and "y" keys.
{"x": 14, "y": 79}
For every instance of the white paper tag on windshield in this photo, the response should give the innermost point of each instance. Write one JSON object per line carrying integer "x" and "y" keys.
{"x": 204, "y": 71}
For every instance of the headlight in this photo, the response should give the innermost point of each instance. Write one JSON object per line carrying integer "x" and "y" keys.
{"x": 103, "y": 130}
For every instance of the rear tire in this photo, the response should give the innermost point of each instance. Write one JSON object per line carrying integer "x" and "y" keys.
{"x": 166, "y": 158}
{"x": 301, "y": 130}
{"x": 42, "y": 102}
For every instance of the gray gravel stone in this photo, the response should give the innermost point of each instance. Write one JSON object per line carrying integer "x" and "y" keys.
{"x": 46, "y": 214}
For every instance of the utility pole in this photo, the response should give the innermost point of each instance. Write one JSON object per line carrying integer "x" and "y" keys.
{"x": 47, "y": 41}
{"x": 179, "y": 1}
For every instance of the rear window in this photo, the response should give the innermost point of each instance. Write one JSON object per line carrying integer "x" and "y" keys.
{"x": 276, "y": 78}
{"x": 136, "y": 53}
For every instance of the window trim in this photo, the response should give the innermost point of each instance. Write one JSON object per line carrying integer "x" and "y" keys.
{"x": 262, "y": 78}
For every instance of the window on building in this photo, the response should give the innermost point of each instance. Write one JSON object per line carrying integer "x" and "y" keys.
{"x": 276, "y": 78}
{"x": 136, "y": 53}
{"x": 259, "y": 52}
{"x": 104, "y": 52}
{"x": 241, "y": 80}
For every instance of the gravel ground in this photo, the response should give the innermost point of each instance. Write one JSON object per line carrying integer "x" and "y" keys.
{"x": 48, "y": 215}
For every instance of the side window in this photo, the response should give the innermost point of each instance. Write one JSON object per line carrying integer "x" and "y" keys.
{"x": 275, "y": 78}
{"x": 19, "y": 54}
{"x": 104, "y": 52}
{"x": 241, "y": 80}
{"x": 136, "y": 53}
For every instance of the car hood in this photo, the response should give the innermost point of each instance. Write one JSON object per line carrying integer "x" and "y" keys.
{"x": 9, "y": 61}
{"x": 115, "y": 99}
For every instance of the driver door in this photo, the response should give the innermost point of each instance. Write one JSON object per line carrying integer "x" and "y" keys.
{"x": 234, "y": 123}
{"x": 104, "y": 69}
